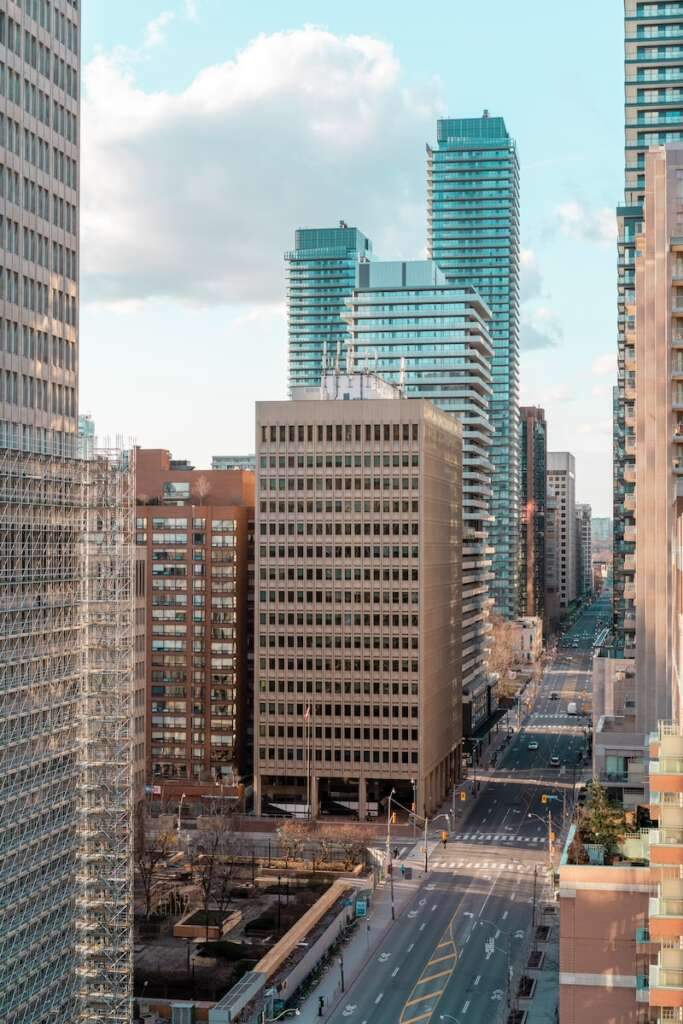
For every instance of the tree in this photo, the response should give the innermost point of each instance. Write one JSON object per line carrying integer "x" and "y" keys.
{"x": 603, "y": 822}
{"x": 213, "y": 862}
{"x": 151, "y": 851}
{"x": 502, "y": 653}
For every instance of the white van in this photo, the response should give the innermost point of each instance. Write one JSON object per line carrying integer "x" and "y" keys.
{"x": 572, "y": 708}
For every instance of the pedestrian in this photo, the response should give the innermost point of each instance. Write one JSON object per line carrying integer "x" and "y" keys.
{"x": 403, "y": 870}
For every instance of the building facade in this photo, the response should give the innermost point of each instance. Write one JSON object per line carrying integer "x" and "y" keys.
{"x": 234, "y": 462}
{"x": 66, "y": 636}
{"x": 322, "y": 271}
{"x": 473, "y": 235}
{"x": 195, "y": 528}
{"x": 653, "y": 115}
{"x": 659, "y": 438}
{"x": 432, "y": 337}
{"x": 358, "y": 608}
{"x": 561, "y": 540}
{"x": 601, "y": 527}
{"x": 533, "y": 449}
{"x": 584, "y": 550}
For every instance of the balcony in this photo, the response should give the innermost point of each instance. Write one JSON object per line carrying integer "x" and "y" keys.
{"x": 666, "y": 979}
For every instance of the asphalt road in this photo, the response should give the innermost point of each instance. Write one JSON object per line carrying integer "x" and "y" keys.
{"x": 449, "y": 951}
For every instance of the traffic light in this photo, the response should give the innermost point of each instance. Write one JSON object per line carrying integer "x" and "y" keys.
{"x": 412, "y": 807}
{"x": 393, "y": 817}
{"x": 444, "y": 838}
{"x": 544, "y": 798}
{"x": 463, "y": 795}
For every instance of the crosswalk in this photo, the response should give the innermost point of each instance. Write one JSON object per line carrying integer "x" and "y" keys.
{"x": 495, "y": 837}
{"x": 495, "y": 865}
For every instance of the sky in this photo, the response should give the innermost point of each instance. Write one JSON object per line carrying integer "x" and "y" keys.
{"x": 211, "y": 130}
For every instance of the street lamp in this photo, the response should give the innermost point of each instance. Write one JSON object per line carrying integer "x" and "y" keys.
{"x": 389, "y": 867}
{"x": 427, "y": 820}
{"x": 413, "y": 783}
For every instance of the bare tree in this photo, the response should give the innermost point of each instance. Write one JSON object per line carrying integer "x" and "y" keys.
{"x": 151, "y": 851}
{"x": 213, "y": 862}
{"x": 502, "y": 654}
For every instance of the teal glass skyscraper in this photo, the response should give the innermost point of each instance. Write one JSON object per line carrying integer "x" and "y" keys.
{"x": 322, "y": 271}
{"x": 473, "y": 235}
{"x": 411, "y": 325}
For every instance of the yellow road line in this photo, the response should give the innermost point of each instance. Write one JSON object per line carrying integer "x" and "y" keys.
{"x": 439, "y": 959}
{"x": 412, "y": 1020}
{"x": 433, "y": 977}
{"x": 421, "y": 999}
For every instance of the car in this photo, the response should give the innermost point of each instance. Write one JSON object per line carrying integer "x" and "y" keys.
{"x": 532, "y": 745}
{"x": 554, "y": 696}
{"x": 554, "y": 761}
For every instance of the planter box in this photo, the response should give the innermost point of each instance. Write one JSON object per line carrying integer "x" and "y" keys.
{"x": 186, "y": 930}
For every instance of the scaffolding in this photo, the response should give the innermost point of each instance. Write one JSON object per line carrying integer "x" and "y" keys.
{"x": 105, "y": 900}
{"x": 66, "y": 649}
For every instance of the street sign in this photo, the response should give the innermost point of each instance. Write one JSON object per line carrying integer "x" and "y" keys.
{"x": 361, "y": 908}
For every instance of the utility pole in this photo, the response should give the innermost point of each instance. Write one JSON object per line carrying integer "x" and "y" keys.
{"x": 550, "y": 841}
{"x": 426, "y": 854}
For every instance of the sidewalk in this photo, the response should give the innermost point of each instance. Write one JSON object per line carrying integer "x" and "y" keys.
{"x": 366, "y": 939}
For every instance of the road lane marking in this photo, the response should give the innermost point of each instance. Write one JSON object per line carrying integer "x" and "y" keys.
{"x": 395, "y": 972}
{"x": 421, "y": 999}
{"x": 505, "y": 914}
{"x": 413, "y": 1020}
{"x": 477, "y": 979}
{"x": 439, "y": 959}
{"x": 435, "y": 906}
{"x": 423, "y": 926}
{"x": 411, "y": 947}
{"x": 433, "y": 977}
{"x": 466, "y": 1007}
{"x": 379, "y": 998}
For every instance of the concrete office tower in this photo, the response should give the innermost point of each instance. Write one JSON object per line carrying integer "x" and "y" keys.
{"x": 67, "y": 629}
{"x": 415, "y": 327}
{"x": 561, "y": 535}
{"x": 584, "y": 551}
{"x": 473, "y": 235}
{"x": 601, "y": 532}
{"x": 322, "y": 271}
{"x": 533, "y": 447}
{"x": 653, "y": 115}
{"x": 659, "y": 438}
{"x": 196, "y": 529}
{"x": 358, "y": 535}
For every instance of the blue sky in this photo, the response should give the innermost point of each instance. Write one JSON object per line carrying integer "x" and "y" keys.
{"x": 211, "y": 130}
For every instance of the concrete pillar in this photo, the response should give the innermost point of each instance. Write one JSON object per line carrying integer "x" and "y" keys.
{"x": 362, "y": 799}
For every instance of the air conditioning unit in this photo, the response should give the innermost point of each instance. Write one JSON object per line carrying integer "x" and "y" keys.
{"x": 182, "y": 1013}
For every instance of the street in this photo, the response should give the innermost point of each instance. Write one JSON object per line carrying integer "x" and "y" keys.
{"x": 448, "y": 953}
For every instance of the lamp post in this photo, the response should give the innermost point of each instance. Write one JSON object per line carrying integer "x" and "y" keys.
{"x": 413, "y": 783}
{"x": 426, "y": 836}
{"x": 388, "y": 858}
{"x": 550, "y": 834}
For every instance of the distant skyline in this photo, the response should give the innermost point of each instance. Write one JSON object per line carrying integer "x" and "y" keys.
{"x": 211, "y": 132}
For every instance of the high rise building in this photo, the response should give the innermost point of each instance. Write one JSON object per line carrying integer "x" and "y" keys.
{"x": 561, "y": 536}
{"x": 653, "y": 115}
{"x": 86, "y": 436}
{"x": 584, "y": 551}
{"x": 66, "y": 599}
{"x": 322, "y": 271}
{"x": 415, "y": 328}
{"x": 196, "y": 529}
{"x": 358, "y": 536}
{"x": 533, "y": 448}
{"x": 602, "y": 532}
{"x": 659, "y": 438}
{"x": 473, "y": 235}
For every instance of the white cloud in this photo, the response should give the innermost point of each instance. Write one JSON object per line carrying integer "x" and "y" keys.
{"x": 192, "y": 9}
{"x": 196, "y": 195}
{"x": 155, "y": 32}
{"x": 605, "y": 365}
{"x": 539, "y": 328}
{"x": 531, "y": 280}
{"x": 576, "y": 220}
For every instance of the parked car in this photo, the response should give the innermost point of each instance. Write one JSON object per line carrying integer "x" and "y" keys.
{"x": 532, "y": 745}
{"x": 554, "y": 696}
{"x": 554, "y": 761}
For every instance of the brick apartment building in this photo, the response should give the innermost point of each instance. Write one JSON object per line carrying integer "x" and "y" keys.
{"x": 196, "y": 527}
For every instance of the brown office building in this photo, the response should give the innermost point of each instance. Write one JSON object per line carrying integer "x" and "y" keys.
{"x": 197, "y": 529}
{"x": 533, "y": 449}
{"x": 358, "y": 600}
